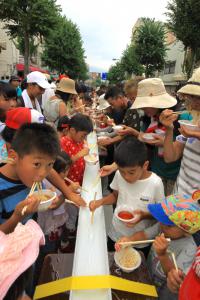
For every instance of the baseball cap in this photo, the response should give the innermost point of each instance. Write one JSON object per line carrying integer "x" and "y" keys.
{"x": 18, "y": 252}
{"x": 39, "y": 78}
{"x": 16, "y": 117}
{"x": 178, "y": 210}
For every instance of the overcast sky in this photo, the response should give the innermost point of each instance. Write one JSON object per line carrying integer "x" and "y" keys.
{"x": 106, "y": 25}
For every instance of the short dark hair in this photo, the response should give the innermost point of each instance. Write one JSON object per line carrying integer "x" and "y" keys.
{"x": 9, "y": 91}
{"x": 81, "y": 122}
{"x": 36, "y": 137}
{"x": 8, "y": 134}
{"x": 130, "y": 153}
{"x": 63, "y": 123}
{"x": 62, "y": 163}
{"x": 113, "y": 92}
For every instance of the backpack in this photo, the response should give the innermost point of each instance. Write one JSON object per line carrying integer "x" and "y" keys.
{"x": 51, "y": 110}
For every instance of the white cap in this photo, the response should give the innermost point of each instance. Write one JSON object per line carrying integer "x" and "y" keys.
{"x": 39, "y": 78}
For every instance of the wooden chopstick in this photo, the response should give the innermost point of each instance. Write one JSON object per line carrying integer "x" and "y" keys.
{"x": 179, "y": 112}
{"x": 139, "y": 242}
{"x": 70, "y": 181}
{"x": 174, "y": 260}
{"x": 92, "y": 215}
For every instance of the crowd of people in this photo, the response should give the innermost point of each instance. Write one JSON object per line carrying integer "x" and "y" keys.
{"x": 149, "y": 161}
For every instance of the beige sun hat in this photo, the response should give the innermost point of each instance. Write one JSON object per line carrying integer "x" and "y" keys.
{"x": 152, "y": 93}
{"x": 192, "y": 87}
{"x": 103, "y": 104}
{"x": 66, "y": 85}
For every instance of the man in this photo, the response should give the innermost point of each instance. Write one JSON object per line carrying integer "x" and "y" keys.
{"x": 36, "y": 85}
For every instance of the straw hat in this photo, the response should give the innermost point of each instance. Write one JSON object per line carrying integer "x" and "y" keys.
{"x": 103, "y": 104}
{"x": 152, "y": 93}
{"x": 192, "y": 87}
{"x": 66, "y": 85}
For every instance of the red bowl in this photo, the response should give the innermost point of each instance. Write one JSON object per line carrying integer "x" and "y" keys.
{"x": 126, "y": 215}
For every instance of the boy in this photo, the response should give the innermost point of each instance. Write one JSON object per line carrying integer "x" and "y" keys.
{"x": 179, "y": 217}
{"x": 133, "y": 185}
{"x": 73, "y": 144}
{"x": 33, "y": 152}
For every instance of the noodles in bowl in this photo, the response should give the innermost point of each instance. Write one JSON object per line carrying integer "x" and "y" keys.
{"x": 46, "y": 197}
{"x": 128, "y": 259}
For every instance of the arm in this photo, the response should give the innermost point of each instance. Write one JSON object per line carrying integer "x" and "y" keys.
{"x": 62, "y": 109}
{"x": 85, "y": 151}
{"x": 110, "y": 199}
{"x": 172, "y": 150}
{"x": 59, "y": 183}
{"x": 108, "y": 169}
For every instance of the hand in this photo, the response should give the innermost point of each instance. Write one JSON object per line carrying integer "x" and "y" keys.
{"x": 76, "y": 198}
{"x": 31, "y": 203}
{"x": 108, "y": 169}
{"x": 140, "y": 216}
{"x": 158, "y": 141}
{"x": 85, "y": 151}
{"x": 93, "y": 205}
{"x": 174, "y": 280}
{"x": 56, "y": 203}
{"x": 118, "y": 247}
{"x": 128, "y": 131}
{"x": 187, "y": 132}
{"x": 105, "y": 142}
{"x": 74, "y": 186}
{"x": 160, "y": 245}
{"x": 110, "y": 122}
{"x": 167, "y": 118}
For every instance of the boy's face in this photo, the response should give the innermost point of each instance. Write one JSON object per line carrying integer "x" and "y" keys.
{"x": 132, "y": 174}
{"x": 32, "y": 167}
{"x": 78, "y": 136}
{"x": 4, "y": 104}
{"x": 173, "y": 232}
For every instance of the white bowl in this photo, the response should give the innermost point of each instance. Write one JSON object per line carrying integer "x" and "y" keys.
{"x": 188, "y": 124}
{"x": 103, "y": 137}
{"x": 148, "y": 136}
{"x": 118, "y": 255}
{"x": 117, "y": 128}
{"x": 125, "y": 208}
{"x": 44, "y": 205}
{"x": 91, "y": 159}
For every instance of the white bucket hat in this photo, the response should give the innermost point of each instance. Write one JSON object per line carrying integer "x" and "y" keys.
{"x": 152, "y": 93}
{"x": 103, "y": 104}
{"x": 39, "y": 78}
{"x": 192, "y": 87}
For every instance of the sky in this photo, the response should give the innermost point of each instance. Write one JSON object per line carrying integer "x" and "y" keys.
{"x": 106, "y": 25}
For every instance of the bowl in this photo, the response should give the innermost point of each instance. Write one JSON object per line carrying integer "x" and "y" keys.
{"x": 44, "y": 205}
{"x": 124, "y": 214}
{"x": 148, "y": 136}
{"x": 102, "y": 137}
{"x": 131, "y": 254}
{"x": 117, "y": 128}
{"x": 188, "y": 124}
{"x": 91, "y": 159}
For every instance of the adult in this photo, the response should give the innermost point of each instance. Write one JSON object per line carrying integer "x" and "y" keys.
{"x": 36, "y": 85}
{"x": 15, "y": 83}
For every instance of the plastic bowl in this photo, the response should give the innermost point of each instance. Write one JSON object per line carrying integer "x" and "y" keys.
{"x": 148, "y": 137}
{"x": 91, "y": 159}
{"x": 103, "y": 137}
{"x": 188, "y": 124}
{"x": 44, "y": 205}
{"x": 121, "y": 253}
{"x": 118, "y": 128}
{"x": 126, "y": 210}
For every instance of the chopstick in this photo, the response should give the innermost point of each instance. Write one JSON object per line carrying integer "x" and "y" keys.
{"x": 179, "y": 112}
{"x": 96, "y": 180}
{"x": 174, "y": 260}
{"x": 139, "y": 242}
{"x": 34, "y": 185}
{"x": 70, "y": 181}
{"x": 92, "y": 215}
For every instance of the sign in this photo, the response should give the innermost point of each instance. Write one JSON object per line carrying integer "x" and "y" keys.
{"x": 104, "y": 76}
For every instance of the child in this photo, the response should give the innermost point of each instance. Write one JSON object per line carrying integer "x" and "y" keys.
{"x": 33, "y": 152}
{"x": 63, "y": 126}
{"x": 179, "y": 216}
{"x": 132, "y": 185}
{"x": 73, "y": 144}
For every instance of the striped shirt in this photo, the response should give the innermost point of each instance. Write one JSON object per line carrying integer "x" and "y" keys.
{"x": 189, "y": 176}
{"x": 11, "y": 193}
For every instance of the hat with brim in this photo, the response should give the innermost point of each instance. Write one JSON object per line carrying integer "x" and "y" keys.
{"x": 192, "y": 87}
{"x": 152, "y": 93}
{"x": 103, "y": 104}
{"x": 158, "y": 213}
{"x": 66, "y": 85}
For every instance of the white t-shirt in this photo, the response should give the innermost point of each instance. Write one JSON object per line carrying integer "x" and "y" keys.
{"x": 137, "y": 195}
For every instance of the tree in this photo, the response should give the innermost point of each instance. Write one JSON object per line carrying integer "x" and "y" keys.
{"x": 63, "y": 50}
{"x": 28, "y": 19}
{"x": 130, "y": 62}
{"x": 116, "y": 73}
{"x": 150, "y": 48}
{"x": 184, "y": 22}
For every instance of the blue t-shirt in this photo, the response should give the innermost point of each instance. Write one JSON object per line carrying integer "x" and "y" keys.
{"x": 11, "y": 193}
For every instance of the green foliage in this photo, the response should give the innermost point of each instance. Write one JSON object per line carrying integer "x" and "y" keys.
{"x": 150, "y": 48}
{"x": 130, "y": 62}
{"x": 116, "y": 73}
{"x": 28, "y": 19}
{"x": 184, "y": 21}
{"x": 63, "y": 50}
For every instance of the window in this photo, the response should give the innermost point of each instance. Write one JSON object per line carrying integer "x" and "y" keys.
{"x": 170, "y": 67}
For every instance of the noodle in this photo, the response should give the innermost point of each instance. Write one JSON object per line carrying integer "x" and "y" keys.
{"x": 129, "y": 258}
